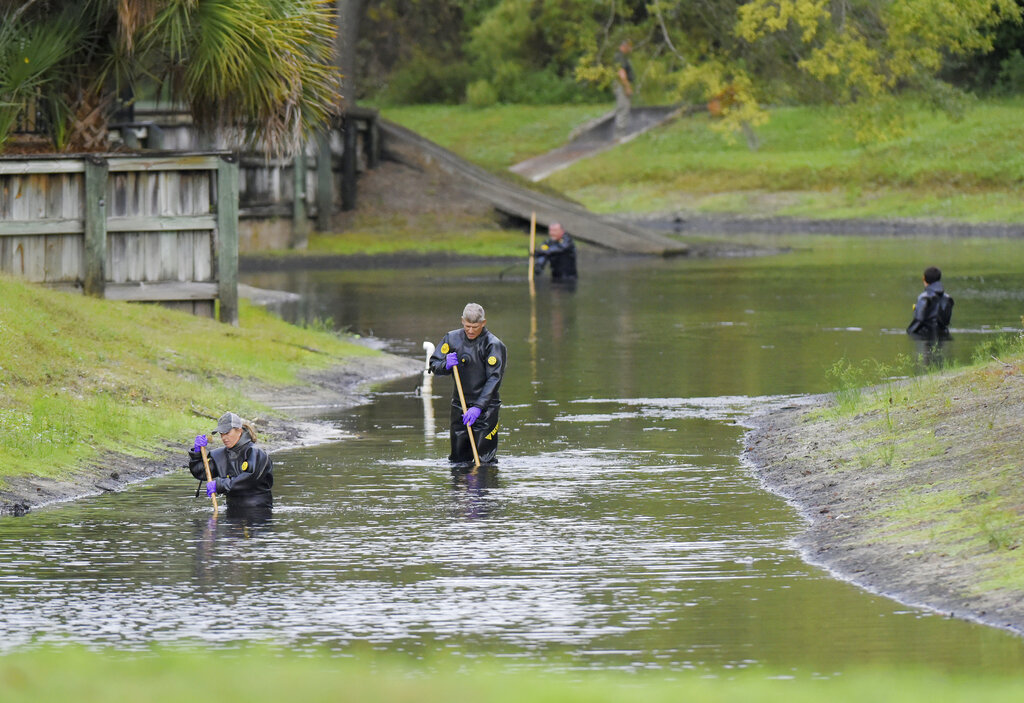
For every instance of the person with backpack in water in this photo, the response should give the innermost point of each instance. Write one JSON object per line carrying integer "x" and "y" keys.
{"x": 933, "y": 310}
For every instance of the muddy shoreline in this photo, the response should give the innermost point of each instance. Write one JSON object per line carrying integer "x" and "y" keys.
{"x": 684, "y": 223}
{"x": 342, "y": 386}
{"x": 803, "y": 455}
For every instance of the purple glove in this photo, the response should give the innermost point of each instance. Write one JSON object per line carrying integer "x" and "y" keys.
{"x": 451, "y": 359}
{"x": 200, "y": 442}
{"x": 211, "y": 488}
{"x": 471, "y": 415}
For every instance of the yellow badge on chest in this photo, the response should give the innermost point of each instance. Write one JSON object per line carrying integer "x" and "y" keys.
{"x": 492, "y": 360}
{"x": 445, "y": 348}
{"x": 245, "y": 465}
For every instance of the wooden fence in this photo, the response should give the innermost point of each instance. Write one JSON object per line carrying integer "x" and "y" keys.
{"x": 325, "y": 171}
{"x": 153, "y": 228}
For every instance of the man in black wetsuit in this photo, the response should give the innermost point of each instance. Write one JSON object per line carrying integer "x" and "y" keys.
{"x": 560, "y": 251}
{"x": 480, "y": 357}
{"x": 933, "y": 309}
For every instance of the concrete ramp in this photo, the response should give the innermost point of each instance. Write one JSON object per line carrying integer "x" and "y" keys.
{"x": 408, "y": 147}
{"x": 594, "y": 137}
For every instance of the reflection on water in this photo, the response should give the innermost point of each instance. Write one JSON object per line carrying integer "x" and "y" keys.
{"x": 622, "y": 530}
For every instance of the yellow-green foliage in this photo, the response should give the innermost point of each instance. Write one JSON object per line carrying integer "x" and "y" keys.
{"x": 867, "y": 56}
{"x": 79, "y": 376}
{"x": 255, "y": 675}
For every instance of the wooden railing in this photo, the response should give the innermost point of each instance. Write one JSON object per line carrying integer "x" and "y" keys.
{"x": 153, "y": 228}
{"x": 280, "y": 199}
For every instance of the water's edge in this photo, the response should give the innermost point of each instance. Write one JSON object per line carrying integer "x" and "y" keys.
{"x": 342, "y": 386}
{"x": 788, "y": 452}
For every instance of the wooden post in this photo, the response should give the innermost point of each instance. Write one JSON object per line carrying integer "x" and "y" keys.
{"x": 324, "y": 182}
{"x": 372, "y": 143}
{"x": 300, "y": 218}
{"x": 227, "y": 236}
{"x": 350, "y": 134}
{"x": 533, "y": 248}
{"x": 154, "y": 136}
{"x": 95, "y": 263}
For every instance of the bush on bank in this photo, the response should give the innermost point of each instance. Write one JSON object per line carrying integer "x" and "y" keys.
{"x": 81, "y": 376}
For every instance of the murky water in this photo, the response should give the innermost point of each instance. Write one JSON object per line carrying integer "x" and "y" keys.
{"x": 622, "y": 530}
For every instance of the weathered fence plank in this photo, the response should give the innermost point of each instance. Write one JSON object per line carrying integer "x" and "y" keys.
{"x": 300, "y": 217}
{"x": 227, "y": 233}
{"x": 130, "y": 228}
{"x": 324, "y": 182}
{"x": 95, "y": 244}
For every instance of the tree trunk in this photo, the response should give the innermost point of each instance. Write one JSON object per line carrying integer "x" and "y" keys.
{"x": 349, "y": 13}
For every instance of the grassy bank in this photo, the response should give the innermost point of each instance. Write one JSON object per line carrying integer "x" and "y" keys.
{"x": 260, "y": 675}
{"x": 378, "y": 233}
{"x": 808, "y": 164}
{"x": 82, "y": 376}
{"x": 495, "y": 137}
{"x": 912, "y": 487}
{"x": 946, "y": 449}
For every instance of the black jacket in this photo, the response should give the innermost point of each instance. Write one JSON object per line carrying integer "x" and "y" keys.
{"x": 561, "y": 254}
{"x": 932, "y": 313}
{"x": 481, "y": 366}
{"x": 244, "y": 473}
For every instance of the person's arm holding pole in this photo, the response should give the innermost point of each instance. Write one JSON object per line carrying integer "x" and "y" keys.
{"x": 209, "y": 478}
{"x": 200, "y": 447}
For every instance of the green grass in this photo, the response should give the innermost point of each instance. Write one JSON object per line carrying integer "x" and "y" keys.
{"x": 495, "y": 137}
{"x": 808, "y": 164}
{"x": 948, "y": 444}
{"x": 425, "y": 233}
{"x": 254, "y": 675}
{"x": 81, "y": 376}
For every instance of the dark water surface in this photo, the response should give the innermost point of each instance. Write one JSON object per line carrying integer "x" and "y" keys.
{"x": 622, "y": 530}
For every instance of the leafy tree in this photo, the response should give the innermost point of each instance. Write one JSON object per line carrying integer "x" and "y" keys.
{"x": 861, "y": 53}
{"x": 412, "y": 50}
{"x": 737, "y": 56}
{"x": 261, "y": 67}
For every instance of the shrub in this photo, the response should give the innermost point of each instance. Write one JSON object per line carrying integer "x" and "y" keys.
{"x": 427, "y": 79}
{"x": 481, "y": 94}
{"x": 1011, "y": 73}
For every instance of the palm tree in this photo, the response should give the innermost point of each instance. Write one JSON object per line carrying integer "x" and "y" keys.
{"x": 261, "y": 68}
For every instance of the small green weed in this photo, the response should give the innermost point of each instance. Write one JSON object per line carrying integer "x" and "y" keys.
{"x": 851, "y": 381}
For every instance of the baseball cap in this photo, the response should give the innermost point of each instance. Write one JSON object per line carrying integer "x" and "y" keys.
{"x": 227, "y": 422}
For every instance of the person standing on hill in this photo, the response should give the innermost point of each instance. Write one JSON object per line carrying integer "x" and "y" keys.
{"x": 623, "y": 86}
{"x": 480, "y": 358}
{"x": 933, "y": 310}
{"x": 560, "y": 251}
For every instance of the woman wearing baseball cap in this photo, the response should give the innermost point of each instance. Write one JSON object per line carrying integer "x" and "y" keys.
{"x": 241, "y": 471}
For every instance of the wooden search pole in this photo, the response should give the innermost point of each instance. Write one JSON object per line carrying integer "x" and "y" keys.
{"x": 209, "y": 477}
{"x": 533, "y": 245}
{"x": 469, "y": 428}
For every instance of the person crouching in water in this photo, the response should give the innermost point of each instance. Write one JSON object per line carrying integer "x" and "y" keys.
{"x": 560, "y": 251}
{"x": 241, "y": 471}
{"x": 480, "y": 358}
